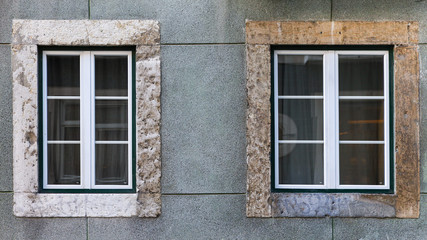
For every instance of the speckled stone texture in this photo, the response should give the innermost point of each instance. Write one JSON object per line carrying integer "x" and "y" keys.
{"x": 145, "y": 36}
{"x": 258, "y": 121}
{"x": 337, "y": 32}
{"x": 405, "y": 202}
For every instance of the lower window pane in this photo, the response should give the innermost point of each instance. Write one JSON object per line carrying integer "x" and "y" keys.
{"x": 63, "y": 164}
{"x": 362, "y": 164}
{"x": 301, "y": 164}
{"x": 111, "y": 164}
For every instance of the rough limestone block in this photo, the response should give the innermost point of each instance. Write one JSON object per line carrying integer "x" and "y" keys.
{"x": 111, "y": 205}
{"x": 330, "y": 205}
{"x": 325, "y": 32}
{"x": 49, "y": 205}
{"x": 25, "y": 157}
{"x": 407, "y": 131}
{"x": 258, "y": 121}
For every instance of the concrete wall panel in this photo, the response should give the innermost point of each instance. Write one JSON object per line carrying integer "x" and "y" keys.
{"x": 203, "y": 113}
{"x": 208, "y": 217}
{"x": 206, "y": 21}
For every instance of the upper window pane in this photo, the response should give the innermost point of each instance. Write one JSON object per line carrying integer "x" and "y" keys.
{"x": 300, "y": 74}
{"x": 111, "y": 75}
{"x": 361, "y": 75}
{"x": 63, "y": 75}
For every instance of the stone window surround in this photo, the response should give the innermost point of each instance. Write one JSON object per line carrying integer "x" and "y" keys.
{"x": 261, "y": 202}
{"x": 145, "y": 36}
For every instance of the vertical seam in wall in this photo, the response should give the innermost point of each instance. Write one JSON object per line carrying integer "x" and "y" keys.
{"x": 332, "y": 2}
{"x": 88, "y": 8}
{"x": 87, "y": 228}
{"x": 332, "y": 228}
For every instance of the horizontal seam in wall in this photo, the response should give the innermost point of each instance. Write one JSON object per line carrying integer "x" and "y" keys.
{"x": 197, "y": 194}
{"x": 5, "y": 43}
{"x": 191, "y": 44}
{"x": 6, "y": 192}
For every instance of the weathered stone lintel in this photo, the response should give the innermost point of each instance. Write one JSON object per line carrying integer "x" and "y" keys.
{"x": 85, "y": 32}
{"x": 335, "y": 32}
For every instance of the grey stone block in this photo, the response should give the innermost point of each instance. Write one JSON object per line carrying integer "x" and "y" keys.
{"x": 37, "y": 228}
{"x": 41, "y": 9}
{"x": 423, "y": 113}
{"x": 381, "y": 10}
{"x": 203, "y": 119}
{"x": 362, "y": 228}
{"x": 206, "y": 21}
{"x": 208, "y": 217}
{"x": 5, "y": 119}
{"x": 333, "y": 204}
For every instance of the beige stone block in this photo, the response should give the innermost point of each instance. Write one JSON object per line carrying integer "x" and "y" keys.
{"x": 335, "y": 32}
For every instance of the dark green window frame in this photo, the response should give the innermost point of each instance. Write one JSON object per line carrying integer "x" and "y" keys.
{"x": 388, "y": 48}
{"x": 40, "y": 50}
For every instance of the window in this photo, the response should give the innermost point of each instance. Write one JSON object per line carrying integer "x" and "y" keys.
{"x": 400, "y": 39}
{"x": 100, "y": 81}
{"x": 331, "y": 120}
{"x": 87, "y": 120}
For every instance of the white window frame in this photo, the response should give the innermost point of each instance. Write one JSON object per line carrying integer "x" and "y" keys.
{"x": 87, "y": 119}
{"x": 331, "y": 120}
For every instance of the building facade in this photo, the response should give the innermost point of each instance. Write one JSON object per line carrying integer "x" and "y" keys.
{"x": 203, "y": 70}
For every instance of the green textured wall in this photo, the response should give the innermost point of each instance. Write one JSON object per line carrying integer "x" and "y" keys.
{"x": 203, "y": 120}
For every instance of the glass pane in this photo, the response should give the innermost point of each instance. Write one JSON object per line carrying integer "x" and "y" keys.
{"x": 63, "y": 119}
{"x": 111, "y": 164}
{"x": 361, "y": 119}
{"x": 63, "y": 75}
{"x": 300, "y": 74}
{"x": 300, "y": 119}
{"x": 63, "y": 161}
{"x": 111, "y": 119}
{"x": 111, "y": 75}
{"x": 361, "y": 75}
{"x": 362, "y": 164}
{"x": 301, "y": 164}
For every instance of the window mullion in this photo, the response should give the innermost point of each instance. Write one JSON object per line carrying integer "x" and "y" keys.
{"x": 44, "y": 91}
{"x": 336, "y": 159}
{"x": 92, "y": 119}
{"x": 85, "y": 108}
{"x": 330, "y": 122}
